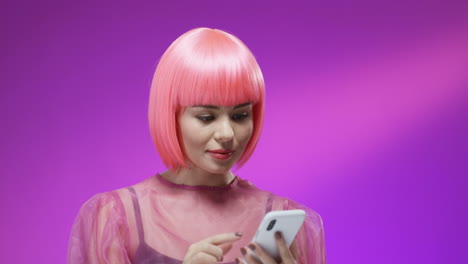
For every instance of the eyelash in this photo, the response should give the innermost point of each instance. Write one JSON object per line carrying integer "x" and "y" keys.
{"x": 235, "y": 117}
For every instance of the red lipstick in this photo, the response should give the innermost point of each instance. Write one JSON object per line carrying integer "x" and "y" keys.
{"x": 221, "y": 153}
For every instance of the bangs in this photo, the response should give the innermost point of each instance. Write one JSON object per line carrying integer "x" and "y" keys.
{"x": 218, "y": 71}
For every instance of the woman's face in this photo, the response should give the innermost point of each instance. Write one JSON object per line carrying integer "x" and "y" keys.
{"x": 214, "y": 137}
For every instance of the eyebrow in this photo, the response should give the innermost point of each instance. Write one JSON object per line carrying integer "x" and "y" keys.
{"x": 216, "y": 107}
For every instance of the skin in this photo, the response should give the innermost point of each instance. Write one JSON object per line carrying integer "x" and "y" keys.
{"x": 287, "y": 255}
{"x": 204, "y": 128}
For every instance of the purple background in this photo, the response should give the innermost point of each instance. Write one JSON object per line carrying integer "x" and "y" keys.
{"x": 366, "y": 118}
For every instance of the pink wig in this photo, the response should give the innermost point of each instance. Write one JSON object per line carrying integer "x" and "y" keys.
{"x": 202, "y": 67}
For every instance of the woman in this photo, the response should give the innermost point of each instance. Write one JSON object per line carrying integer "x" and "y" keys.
{"x": 205, "y": 115}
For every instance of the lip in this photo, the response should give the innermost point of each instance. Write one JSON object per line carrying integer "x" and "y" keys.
{"x": 221, "y": 154}
{"x": 221, "y": 151}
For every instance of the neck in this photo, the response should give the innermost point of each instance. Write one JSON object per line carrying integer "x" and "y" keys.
{"x": 197, "y": 177}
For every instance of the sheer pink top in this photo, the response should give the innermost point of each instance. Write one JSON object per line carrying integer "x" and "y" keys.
{"x": 155, "y": 221}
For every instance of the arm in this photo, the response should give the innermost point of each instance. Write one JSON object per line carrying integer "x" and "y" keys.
{"x": 99, "y": 232}
{"x": 311, "y": 236}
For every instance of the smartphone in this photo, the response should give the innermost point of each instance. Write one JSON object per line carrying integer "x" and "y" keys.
{"x": 288, "y": 222}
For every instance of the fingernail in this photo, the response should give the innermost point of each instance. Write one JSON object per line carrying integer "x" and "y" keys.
{"x": 252, "y": 246}
{"x": 278, "y": 235}
{"x": 238, "y": 261}
{"x": 239, "y": 234}
{"x": 243, "y": 251}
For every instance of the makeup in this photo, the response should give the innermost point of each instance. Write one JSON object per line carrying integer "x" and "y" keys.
{"x": 221, "y": 155}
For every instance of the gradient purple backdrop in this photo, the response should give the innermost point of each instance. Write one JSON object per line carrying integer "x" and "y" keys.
{"x": 366, "y": 118}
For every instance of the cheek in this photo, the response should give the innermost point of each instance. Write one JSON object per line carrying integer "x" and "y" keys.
{"x": 192, "y": 141}
{"x": 188, "y": 138}
{"x": 245, "y": 133}
{"x": 194, "y": 137}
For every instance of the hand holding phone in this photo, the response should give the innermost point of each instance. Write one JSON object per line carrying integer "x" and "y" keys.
{"x": 287, "y": 222}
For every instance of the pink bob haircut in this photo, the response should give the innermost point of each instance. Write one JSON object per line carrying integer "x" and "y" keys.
{"x": 202, "y": 67}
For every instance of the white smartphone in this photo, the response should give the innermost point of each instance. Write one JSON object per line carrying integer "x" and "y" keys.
{"x": 288, "y": 222}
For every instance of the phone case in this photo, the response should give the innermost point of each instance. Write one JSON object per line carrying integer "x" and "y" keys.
{"x": 287, "y": 222}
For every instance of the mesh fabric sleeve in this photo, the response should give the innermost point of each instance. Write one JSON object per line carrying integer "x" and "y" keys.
{"x": 311, "y": 237}
{"x": 100, "y": 232}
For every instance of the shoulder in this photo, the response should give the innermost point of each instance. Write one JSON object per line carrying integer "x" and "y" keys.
{"x": 100, "y": 204}
{"x": 292, "y": 205}
{"x": 101, "y": 199}
{"x": 110, "y": 204}
{"x": 314, "y": 220}
{"x": 282, "y": 203}
{"x": 98, "y": 228}
{"x": 118, "y": 201}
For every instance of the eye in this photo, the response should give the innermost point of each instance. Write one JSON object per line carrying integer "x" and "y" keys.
{"x": 206, "y": 118}
{"x": 241, "y": 116}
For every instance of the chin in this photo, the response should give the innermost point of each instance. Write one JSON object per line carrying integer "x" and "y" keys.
{"x": 216, "y": 168}
{"x": 219, "y": 170}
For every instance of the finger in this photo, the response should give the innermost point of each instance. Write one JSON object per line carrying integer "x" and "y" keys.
{"x": 283, "y": 249}
{"x": 210, "y": 249}
{"x": 250, "y": 258}
{"x": 240, "y": 261}
{"x": 203, "y": 258}
{"x": 225, "y": 247}
{"x": 261, "y": 254}
{"x": 294, "y": 250}
{"x": 223, "y": 238}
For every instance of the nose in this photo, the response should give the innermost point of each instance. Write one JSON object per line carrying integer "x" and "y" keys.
{"x": 224, "y": 131}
